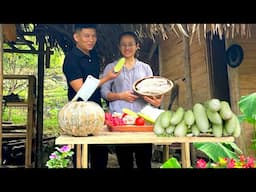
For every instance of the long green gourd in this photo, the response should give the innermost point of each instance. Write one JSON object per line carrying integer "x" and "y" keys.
{"x": 119, "y": 65}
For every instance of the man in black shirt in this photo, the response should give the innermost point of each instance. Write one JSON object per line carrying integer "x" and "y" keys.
{"x": 80, "y": 62}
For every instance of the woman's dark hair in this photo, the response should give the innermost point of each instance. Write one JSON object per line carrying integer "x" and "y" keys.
{"x": 131, "y": 34}
{"x": 128, "y": 33}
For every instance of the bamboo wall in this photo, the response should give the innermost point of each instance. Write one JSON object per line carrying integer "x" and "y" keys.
{"x": 242, "y": 79}
{"x": 171, "y": 56}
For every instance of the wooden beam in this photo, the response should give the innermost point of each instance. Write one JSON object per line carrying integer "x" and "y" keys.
{"x": 23, "y": 40}
{"x": 60, "y": 30}
{"x": 12, "y": 46}
{"x": 26, "y": 51}
{"x": 27, "y": 33}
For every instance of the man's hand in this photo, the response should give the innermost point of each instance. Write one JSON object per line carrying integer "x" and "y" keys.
{"x": 154, "y": 100}
{"x": 110, "y": 75}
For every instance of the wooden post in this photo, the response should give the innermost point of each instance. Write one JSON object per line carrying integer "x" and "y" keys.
{"x": 187, "y": 69}
{"x": 40, "y": 99}
{"x": 9, "y": 32}
{"x": 188, "y": 82}
{"x": 233, "y": 76}
{"x": 234, "y": 90}
{"x": 1, "y": 90}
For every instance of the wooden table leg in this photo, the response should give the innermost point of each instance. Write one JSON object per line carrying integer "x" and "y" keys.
{"x": 84, "y": 156}
{"x": 185, "y": 155}
{"x": 165, "y": 152}
{"x": 78, "y": 156}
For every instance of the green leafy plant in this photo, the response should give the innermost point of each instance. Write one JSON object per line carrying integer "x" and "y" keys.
{"x": 171, "y": 163}
{"x": 61, "y": 158}
{"x": 215, "y": 151}
{"x": 247, "y": 105}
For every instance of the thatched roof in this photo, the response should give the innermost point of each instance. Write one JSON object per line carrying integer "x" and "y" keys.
{"x": 60, "y": 35}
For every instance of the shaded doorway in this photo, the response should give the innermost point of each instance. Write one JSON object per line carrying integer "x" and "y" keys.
{"x": 217, "y": 65}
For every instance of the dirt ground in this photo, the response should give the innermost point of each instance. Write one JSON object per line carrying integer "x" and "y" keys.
{"x": 112, "y": 162}
{"x": 157, "y": 156}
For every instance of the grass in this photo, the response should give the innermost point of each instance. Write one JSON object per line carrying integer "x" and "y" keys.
{"x": 15, "y": 115}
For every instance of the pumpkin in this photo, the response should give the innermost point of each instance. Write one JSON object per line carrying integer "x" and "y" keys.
{"x": 81, "y": 118}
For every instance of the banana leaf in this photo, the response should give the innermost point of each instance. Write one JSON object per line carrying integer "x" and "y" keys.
{"x": 241, "y": 118}
{"x": 219, "y": 150}
{"x": 247, "y": 105}
{"x": 171, "y": 163}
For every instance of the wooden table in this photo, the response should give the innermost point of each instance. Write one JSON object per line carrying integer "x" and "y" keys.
{"x": 133, "y": 138}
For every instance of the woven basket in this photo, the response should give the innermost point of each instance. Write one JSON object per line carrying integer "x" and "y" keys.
{"x": 168, "y": 87}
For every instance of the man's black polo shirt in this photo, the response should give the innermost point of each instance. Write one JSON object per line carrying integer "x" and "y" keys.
{"x": 79, "y": 65}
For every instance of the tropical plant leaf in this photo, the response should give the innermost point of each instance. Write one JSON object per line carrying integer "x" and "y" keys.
{"x": 247, "y": 105}
{"x": 241, "y": 117}
{"x": 216, "y": 150}
{"x": 171, "y": 163}
{"x": 233, "y": 146}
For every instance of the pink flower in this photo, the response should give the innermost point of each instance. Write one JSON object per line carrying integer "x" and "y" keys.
{"x": 250, "y": 162}
{"x": 53, "y": 156}
{"x": 231, "y": 163}
{"x": 225, "y": 162}
{"x": 64, "y": 148}
{"x": 201, "y": 163}
{"x": 60, "y": 158}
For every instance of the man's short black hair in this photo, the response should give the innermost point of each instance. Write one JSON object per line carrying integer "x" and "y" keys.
{"x": 83, "y": 26}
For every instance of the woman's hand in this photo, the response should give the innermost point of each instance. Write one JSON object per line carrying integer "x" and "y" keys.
{"x": 128, "y": 96}
{"x": 154, "y": 100}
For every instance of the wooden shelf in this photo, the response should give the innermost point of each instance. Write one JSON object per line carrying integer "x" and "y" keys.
{"x": 14, "y": 135}
{"x": 25, "y": 131}
{"x": 12, "y": 166}
{"x": 13, "y": 126}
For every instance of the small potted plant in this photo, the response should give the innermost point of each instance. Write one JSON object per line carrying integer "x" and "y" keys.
{"x": 61, "y": 158}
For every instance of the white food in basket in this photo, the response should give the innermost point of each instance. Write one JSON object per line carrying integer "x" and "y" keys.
{"x": 153, "y": 86}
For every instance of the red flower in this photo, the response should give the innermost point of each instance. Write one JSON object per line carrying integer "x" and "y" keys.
{"x": 242, "y": 158}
